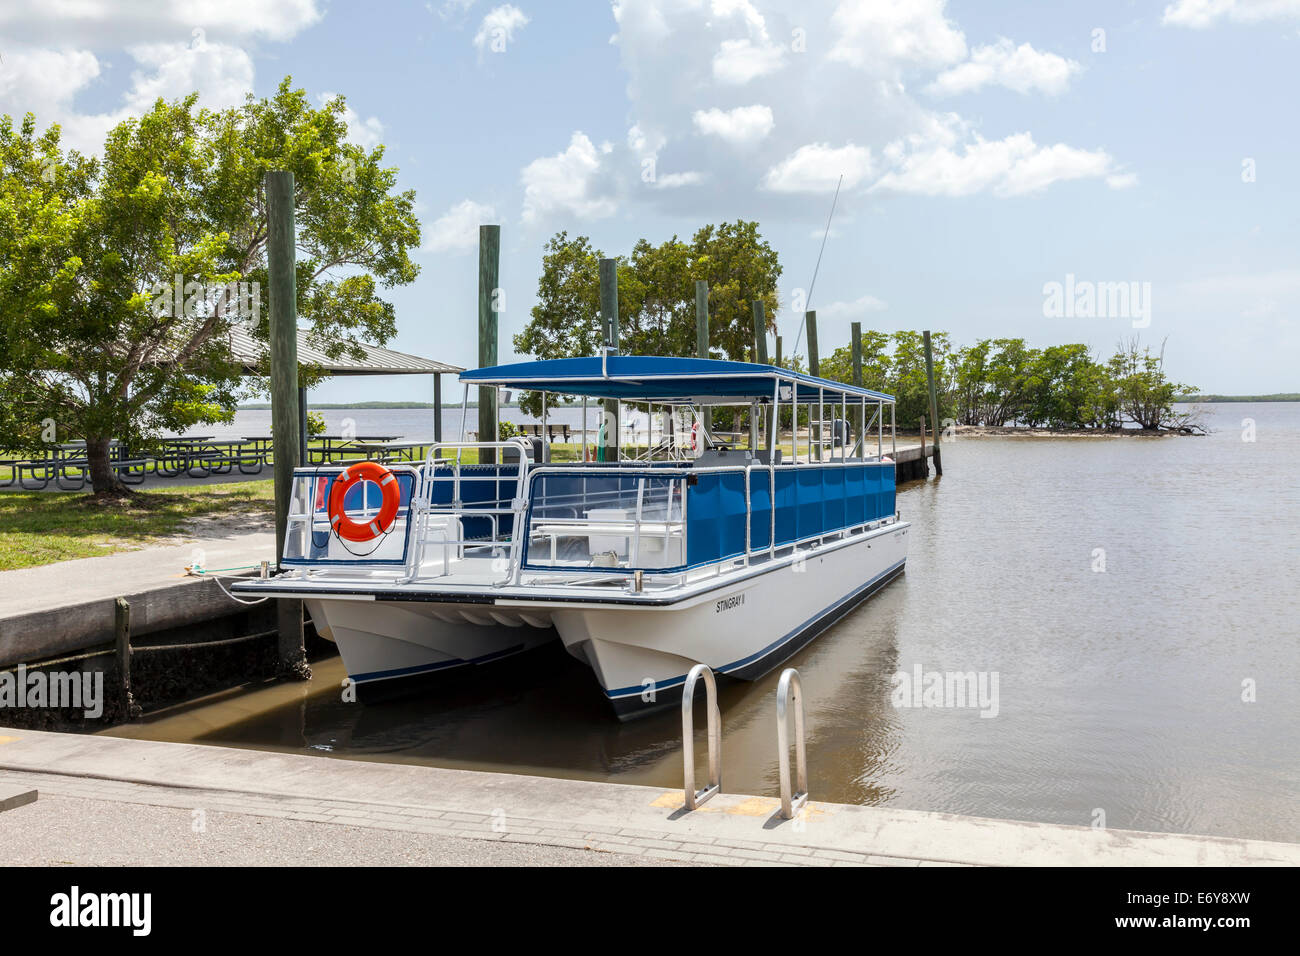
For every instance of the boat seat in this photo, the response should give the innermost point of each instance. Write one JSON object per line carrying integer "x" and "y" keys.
{"x": 764, "y": 456}
{"x": 717, "y": 457}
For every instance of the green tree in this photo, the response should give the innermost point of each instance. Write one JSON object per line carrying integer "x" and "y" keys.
{"x": 96, "y": 335}
{"x": 1144, "y": 394}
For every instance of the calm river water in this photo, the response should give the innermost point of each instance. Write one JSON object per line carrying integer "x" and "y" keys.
{"x": 1120, "y": 691}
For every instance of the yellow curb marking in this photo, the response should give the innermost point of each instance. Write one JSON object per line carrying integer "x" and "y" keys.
{"x": 749, "y": 807}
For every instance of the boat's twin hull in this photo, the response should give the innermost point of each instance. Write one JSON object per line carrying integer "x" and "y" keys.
{"x": 747, "y": 625}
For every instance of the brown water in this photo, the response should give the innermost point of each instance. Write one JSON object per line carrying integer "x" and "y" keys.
{"x": 1119, "y": 691}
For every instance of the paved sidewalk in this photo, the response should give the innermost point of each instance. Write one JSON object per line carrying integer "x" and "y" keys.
{"x": 563, "y": 814}
{"x": 67, "y": 583}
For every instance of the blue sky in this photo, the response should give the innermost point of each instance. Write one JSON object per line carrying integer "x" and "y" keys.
{"x": 988, "y": 149}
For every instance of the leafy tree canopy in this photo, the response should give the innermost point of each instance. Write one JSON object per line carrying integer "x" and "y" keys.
{"x": 122, "y": 276}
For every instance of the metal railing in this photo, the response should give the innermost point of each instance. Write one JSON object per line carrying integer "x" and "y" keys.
{"x": 788, "y": 688}
{"x": 492, "y": 510}
{"x": 696, "y": 797}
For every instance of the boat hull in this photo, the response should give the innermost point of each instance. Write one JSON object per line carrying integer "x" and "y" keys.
{"x": 641, "y": 655}
{"x": 383, "y": 641}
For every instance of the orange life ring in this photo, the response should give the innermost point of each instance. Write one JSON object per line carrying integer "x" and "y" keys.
{"x": 352, "y": 530}
{"x": 695, "y": 436}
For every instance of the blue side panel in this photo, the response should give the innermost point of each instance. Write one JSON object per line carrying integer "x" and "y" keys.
{"x": 715, "y": 518}
{"x": 786, "y": 514}
{"x": 808, "y": 502}
{"x": 856, "y": 506}
{"x": 481, "y": 485}
{"x": 833, "y": 498}
{"x": 760, "y": 503}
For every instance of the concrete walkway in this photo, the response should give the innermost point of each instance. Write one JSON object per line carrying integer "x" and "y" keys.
{"x": 544, "y": 812}
{"x": 68, "y": 583}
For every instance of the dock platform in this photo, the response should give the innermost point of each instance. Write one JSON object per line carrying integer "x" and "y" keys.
{"x": 546, "y": 818}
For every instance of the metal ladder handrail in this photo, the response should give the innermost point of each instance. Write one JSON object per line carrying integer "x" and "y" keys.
{"x": 790, "y": 683}
{"x": 695, "y": 797}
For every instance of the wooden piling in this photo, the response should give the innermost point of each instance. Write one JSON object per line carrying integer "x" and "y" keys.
{"x": 122, "y": 640}
{"x": 609, "y": 318}
{"x": 814, "y": 362}
{"x": 934, "y": 402}
{"x": 489, "y": 281}
{"x": 701, "y": 319}
{"x": 856, "y": 328}
{"x": 778, "y": 351}
{"x": 286, "y": 410}
{"x": 282, "y": 282}
{"x": 760, "y": 333}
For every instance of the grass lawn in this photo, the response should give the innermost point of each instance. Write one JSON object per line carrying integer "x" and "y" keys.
{"x": 42, "y": 527}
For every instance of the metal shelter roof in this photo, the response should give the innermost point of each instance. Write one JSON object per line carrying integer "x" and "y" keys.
{"x": 656, "y": 379}
{"x": 248, "y": 351}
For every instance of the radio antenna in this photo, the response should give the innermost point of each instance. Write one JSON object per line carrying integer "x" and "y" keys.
{"x": 811, "y": 285}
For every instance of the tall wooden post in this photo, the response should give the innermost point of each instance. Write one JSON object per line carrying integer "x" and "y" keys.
{"x": 285, "y": 411}
{"x": 489, "y": 281}
{"x": 778, "y": 350}
{"x": 934, "y": 403}
{"x": 856, "y": 328}
{"x": 760, "y": 333}
{"x": 814, "y": 361}
{"x": 701, "y": 319}
{"x": 609, "y": 317}
{"x": 280, "y": 252}
{"x": 437, "y": 407}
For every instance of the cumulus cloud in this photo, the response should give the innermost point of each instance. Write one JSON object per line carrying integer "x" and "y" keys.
{"x": 873, "y": 35}
{"x": 739, "y": 61}
{"x": 817, "y": 167}
{"x": 456, "y": 230}
{"x": 848, "y": 310}
{"x": 1014, "y": 166}
{"x": 46, "y": 82}
{"x": 367, "y": 132}
{"x": 1122, "y": 180}
{"x": 1199, "y": 14}
{"x": 107, "y": 23}
{"x": 742, "y": 126}
{"x": 567, "y": 183}
{"x": 1020, "y": 68}
{"x": 499, "y": 27}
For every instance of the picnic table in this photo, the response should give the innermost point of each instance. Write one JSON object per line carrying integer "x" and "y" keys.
{"x": 68, "y": 466}
{"x": 388, "y": 450}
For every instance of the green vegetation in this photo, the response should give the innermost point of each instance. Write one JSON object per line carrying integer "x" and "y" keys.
{"x": 42, "y": 527}
{"x": 1005, "y": 382}
{"x": 121, "y": 276}
{"x": 656, "y": 296}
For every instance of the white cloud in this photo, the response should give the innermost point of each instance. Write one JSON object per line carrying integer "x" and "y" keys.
{"x": 848, "y": 310}
{"x": 1122, "y": 180}
{"x": 1013, "y": 166}
{"x": 739, "y": 61}
{"x": 368, "y": 133}
{"x": 567, "y": 183}
{"x": 817, "y": 168}
{"x": 1199, "y": 14}
{"x": 677, "y": 180}
{"x": 878, "y": 36}
{"x": 742, "y": 126}
{"x": 47, "y": 82}
{"x": 117, "y": 23}
{"x": 499, "y": 27}
{"x": 457, "y": 229}
{"x": 1020, "y": 68}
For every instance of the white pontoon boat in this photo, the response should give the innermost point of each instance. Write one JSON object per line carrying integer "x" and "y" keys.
{"x": 731, "y": 551}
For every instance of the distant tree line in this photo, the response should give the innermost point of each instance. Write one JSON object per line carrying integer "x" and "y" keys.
{"x": 1003, "y": 381}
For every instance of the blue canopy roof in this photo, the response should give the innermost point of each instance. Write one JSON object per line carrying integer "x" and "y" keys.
{"x": 645, "y": 378}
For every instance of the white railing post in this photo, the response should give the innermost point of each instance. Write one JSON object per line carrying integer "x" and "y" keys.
{"x": 789, "y": 686}
{"x": 695, "y": 797}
